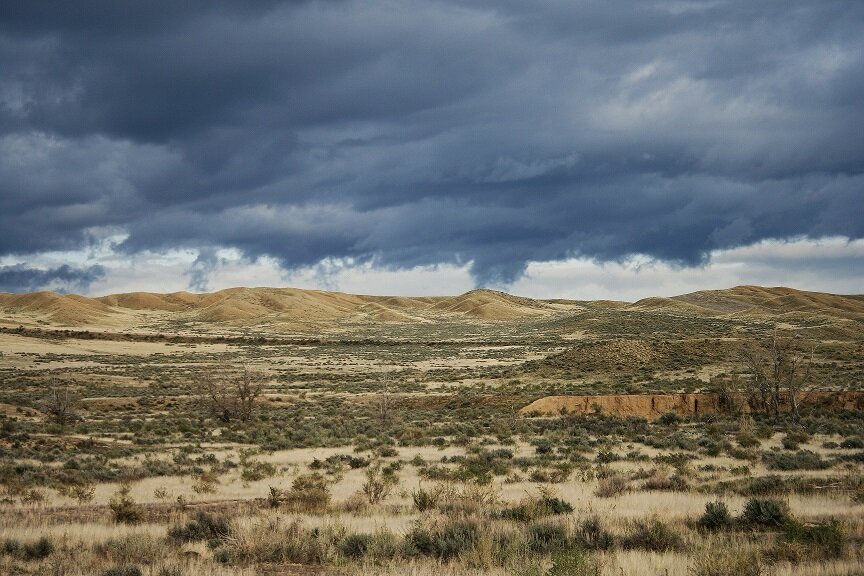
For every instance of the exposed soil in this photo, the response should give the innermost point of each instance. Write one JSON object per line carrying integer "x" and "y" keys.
{"x": 652, "y": 406}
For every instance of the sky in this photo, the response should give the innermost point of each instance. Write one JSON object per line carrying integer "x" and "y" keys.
{"x": 553, "y": 149}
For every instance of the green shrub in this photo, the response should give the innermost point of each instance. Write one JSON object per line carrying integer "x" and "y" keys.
{"x": 309, "y": 493}
{"x": 726, "y": 561}
{"x": 852, "y": 443}
{"x": 37, "y": 550}
{"x": 797, "y": 437}
{"x": 444, "y": 542}
{"x": 204, "y": 526}
{"x": 654, "y": 535}
{"x": 821, "y": 541}
{"x": 592, "y": 536}
{"x": 716, "y": 516}
{"x": 746, "y": 440}
{"x": 10, "y": 547}
{"x": 765, "y": 512}
{"x": 124, "y": 509}
{"x": 125, "y": 570}
{"x": 425, "y": 499}
{"x": 379, "y": 482}
{"x": 547, "y": 537}
{"x": 766, "y": 485}
{"x": 355, "y": 546}
{"x": 789, "y": 443}
{"x": 223, "y": 555}
{"x": 575, "y": 562}
{"x": 669, "y": 419}
{"x": 800, "y": 460}
{"x": 254, "y": 471}
{"x": 533, "y": 508}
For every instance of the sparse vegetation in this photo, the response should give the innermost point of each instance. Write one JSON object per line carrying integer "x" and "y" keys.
{"x": 386, "y": 447}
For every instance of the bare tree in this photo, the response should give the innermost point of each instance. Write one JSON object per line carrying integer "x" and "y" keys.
{"x": 384, "y": 403}
{"x": 60, "y": 405}
{"x": 779, "y": 373}
{"x": 232, "y": 396}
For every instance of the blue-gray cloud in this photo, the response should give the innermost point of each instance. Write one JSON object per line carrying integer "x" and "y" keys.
{"x": 418, "y": 132}
{"x": 63, "y": 279}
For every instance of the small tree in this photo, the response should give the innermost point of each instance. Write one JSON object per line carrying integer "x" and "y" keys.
{"x": 82, "y": 491}
{"x": 233, "y": 396}
{"x": 379, "y": 482}
{"x": 61, "y": 405}
{"x": 779, "y": 373}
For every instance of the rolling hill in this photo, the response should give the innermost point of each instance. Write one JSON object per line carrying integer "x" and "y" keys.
{"x": 288, "y": 307}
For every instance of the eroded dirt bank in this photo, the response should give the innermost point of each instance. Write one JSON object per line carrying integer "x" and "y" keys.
{"x": 653, "y": 406}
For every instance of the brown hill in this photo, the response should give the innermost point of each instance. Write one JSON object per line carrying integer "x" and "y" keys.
{"x": 149, "y": 301}
{"x": 491, "y": 305}
{"x": 292, "y": 306}
{"x": 71, "y": 310}
{"x": 759, "y": 301}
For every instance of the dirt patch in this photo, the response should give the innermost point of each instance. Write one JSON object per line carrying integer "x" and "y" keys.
{"x": 20, "y": 412}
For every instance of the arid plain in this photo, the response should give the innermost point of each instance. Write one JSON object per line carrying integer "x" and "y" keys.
{"x": 286, "y": 431}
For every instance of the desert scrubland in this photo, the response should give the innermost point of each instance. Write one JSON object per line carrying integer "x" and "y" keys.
{"x": 281, "y": 431}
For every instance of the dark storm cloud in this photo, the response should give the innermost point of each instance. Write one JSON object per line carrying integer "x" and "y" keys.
{"x": 417, "y": 132}
{"x": 20, "y": 278}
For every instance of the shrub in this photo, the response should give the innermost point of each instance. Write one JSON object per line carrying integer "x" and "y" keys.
{"x": 726, "y": 561}
{"x": 800, "y": 460}
{"x": 355, "y": 546}
{"x": 765, "y": 512}
{"x": 124, "y": 509}
{"x": 746, "y": 440}
{"x": 205, "y": 483}
{"x": 533, "y": 508}
{"x": 654, "y": 535}
{"x": 669, "y": 419}
{"x": 357, "y": 503}
{"x": 764, "y": 485}
{"x": 275, "y": 497}
{"x": 10, "y": 547}
{"x": 386, "y": 452}
{"x": 575, "y": 562}
{"x": 37, "y": 550}
{"x": 379, "y": 483}
{"x": 797, "y": 437}
{"x": 592, "y": 536}
{"x": 665, "y": 482}
{"x": 82, "y": 492}
{"x": 254, "y": 471}
{"x": 789, "y": 443}
{"x": 852, "y": 443}
{"x": 425, "y": 499}
{"x": 125, "y": 570}
{"x": 547, "y": 537}
{"x": 716, "y": 516}
{"x": 204, "y": 526}
{"x": 820, "y": 541}
{"x": 614, "y": 485}
{"x": 309, "y": 493}
{"x": 285, "y": 542}
{"x": 444, "y": 542}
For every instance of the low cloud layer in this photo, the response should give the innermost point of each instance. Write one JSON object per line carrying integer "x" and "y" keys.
{"x": 408, "y": 135}
{"x": 63, "y": 279}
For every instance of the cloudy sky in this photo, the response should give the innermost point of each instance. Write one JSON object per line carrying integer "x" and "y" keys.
{"x": 552, "y": 148}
